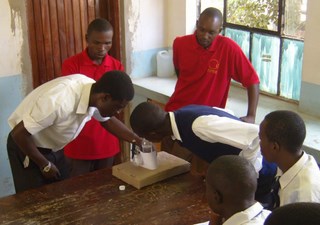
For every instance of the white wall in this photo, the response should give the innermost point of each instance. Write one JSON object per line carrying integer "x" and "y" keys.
{"x": 151, "y": 26}
{"x": 15, "y": 54}
{"x": 144, "y": 33}
{"x": 310, "y": 85}
{"x": 10, "y": 40}
{"x": 145, "y": 20}
{"x": 311, "y": 62}
{"x": 15, "y": 76}
{"x": 176, "y": 17}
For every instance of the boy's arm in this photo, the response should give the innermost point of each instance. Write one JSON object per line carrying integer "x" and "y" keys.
{"x": 244, "y": 136}
{"x": 117, "y": 128}
{"x": 253, "y": 98}
{"x": 212, "y": 128}
{"x": 23, "y": 139}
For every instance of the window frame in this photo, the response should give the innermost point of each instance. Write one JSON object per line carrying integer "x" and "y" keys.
{"x": 279, "y": 34}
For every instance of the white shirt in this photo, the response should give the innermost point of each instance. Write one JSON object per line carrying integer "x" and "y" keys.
{"x": 254, "y": 215}
{"x": 212, "y": 128}
{"x": 301, "y": 183}
{"x": 55, "y": 112}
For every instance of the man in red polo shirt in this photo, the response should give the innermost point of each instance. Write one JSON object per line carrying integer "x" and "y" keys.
{"x": 95, "y": 147}
{"x": 205, "y": 63}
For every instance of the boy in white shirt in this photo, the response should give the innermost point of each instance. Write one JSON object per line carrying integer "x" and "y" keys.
{"x": 282, "y": 134}
{"x": 53, "y": 114}
{"x": 230, "y": 187}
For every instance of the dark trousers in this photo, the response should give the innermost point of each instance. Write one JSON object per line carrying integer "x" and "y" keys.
{"x": 79, "y": 166}
{"x": 31, "y": 177}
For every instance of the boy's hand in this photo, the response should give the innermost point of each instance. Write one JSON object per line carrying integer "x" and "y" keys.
{"x": 53, "y": 173}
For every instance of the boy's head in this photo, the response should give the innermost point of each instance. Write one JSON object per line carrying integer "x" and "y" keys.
{"x": 281, "y": 130}
{"x": 301, "y": 213}
{"x": 148, "y": 121}
{"x": 231, "y": 182}
{"x": 112, "y": 92}
{"x": 99, "y": 38}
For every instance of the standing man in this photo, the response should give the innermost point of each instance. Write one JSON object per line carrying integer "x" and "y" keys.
{"x": 205, "y": 63}
{"x": 95, "y": 147}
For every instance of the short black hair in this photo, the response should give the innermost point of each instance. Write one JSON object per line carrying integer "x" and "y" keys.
{"x": 99, "y": 25}
{"x": 286, "y": 128}
{"x": 233, "y": 171}
{"x": 301, "y": 213}
{"x": 147, "y": 117}
{"x": 117, "y": 83}
{"x": 212, "y": 12}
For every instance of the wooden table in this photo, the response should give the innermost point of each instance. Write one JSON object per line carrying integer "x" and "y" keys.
{"x": 95, "y": 198}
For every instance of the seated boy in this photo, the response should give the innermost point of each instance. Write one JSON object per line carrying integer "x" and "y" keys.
{"x": 282, "y": 134}
{"x": 230, "y": 188}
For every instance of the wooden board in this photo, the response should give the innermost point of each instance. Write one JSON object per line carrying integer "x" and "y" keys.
{"x": 168, "y": 166}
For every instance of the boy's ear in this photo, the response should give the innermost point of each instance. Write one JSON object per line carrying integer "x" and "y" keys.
{"x": 215, "y": 195}
{"x": 276, "y": 146}
{"x": 218, "y": 196}
{"x": 87, "y": 38}
{"x": 107, "y": 96}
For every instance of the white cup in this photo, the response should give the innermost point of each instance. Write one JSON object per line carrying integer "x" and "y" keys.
{"x": 146, "y": 156}
{"x": 149, "y": 160}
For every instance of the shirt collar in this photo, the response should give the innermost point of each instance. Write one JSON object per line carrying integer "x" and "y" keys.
{"x": 86, "y": 61}
{"x": 197, "y": 46}
{"x": 175, "y": 131}
{"x": 286, "y": 177}
{"x": 84, "y": 99}
{"x": 245, "y": 216}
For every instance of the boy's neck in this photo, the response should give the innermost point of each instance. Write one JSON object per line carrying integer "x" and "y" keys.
{"x": 289, "y": 159}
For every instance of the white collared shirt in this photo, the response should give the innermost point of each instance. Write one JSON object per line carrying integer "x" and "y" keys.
{"x": 301, "y": 183}
{"x": 254, "y": 215}
{"x": 55, "y": 112}
{"x": 212, "y": 128}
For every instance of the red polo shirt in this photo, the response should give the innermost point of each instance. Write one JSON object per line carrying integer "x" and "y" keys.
{"x": 205, "y": 74}
{"x": 93, "y": 142}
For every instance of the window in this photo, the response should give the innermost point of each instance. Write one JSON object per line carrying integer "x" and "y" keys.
{"x": 270, "y": 33}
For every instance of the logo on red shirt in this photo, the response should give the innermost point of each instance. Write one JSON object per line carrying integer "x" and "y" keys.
{"x": 213, "y": 66}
